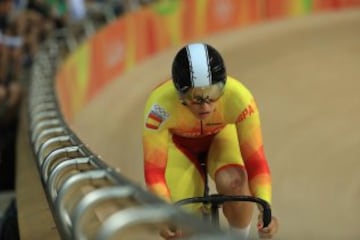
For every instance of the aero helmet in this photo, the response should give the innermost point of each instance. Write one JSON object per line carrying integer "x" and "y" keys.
{"x": 198, "y": 71}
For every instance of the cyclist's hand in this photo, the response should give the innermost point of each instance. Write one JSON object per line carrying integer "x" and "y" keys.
{"x": 170, "y": 233}
{"x": 269, "y": 231}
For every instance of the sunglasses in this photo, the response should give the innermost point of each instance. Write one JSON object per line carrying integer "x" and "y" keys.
{"x": 201, "y": 95}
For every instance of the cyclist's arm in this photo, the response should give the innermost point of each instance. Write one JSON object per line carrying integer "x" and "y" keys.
{"x": 252, "y": 150}
{"x": 155, "y": 148}
{"x": 155, "y": 158}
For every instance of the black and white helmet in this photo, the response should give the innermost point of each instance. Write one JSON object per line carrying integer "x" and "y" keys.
{"x": 198, "y": 65}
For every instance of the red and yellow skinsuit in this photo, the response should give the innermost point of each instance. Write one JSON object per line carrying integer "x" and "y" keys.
{"x": 173, "y": 138}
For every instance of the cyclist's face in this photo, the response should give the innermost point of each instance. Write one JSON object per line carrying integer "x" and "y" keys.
{"x": 201, "y": 109}
{"x": 202, "y": 100}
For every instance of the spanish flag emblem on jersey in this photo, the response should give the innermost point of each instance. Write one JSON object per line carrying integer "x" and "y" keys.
{"x": 156, "y": 117}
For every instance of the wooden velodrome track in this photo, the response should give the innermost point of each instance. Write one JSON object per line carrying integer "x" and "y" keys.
{"x": 305, "y": 75}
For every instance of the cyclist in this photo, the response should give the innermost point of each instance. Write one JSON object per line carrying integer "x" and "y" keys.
{"x": 202, "y": 110}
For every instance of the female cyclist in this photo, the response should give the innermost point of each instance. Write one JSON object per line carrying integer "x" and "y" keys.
{"x": 202, "y": 111}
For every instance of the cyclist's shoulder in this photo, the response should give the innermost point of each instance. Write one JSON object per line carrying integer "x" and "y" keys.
{"x": 163, "y": 97}
{"x": 235, "y": 89}
{"x": 162, "y": 91}
{"x": 165, "y": 84}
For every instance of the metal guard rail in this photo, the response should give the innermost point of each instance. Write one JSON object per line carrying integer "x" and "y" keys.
{"x": 88, "y": 199}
